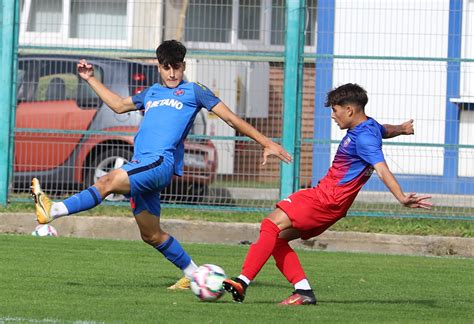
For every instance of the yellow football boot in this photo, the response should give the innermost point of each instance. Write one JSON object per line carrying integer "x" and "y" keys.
{"x": 42, "y": 202}
{"x": 181, "y": 284}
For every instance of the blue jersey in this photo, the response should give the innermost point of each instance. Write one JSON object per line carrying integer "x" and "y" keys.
{"x": 352, "y": 166}
{"x": 169, "y": 115}
{"x": 359, "y": 149}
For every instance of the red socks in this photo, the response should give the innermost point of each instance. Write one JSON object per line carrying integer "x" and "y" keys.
{"x": 288, "y": 262}
{"x": 261, "y": 250}
{"x": 267, "y": 244}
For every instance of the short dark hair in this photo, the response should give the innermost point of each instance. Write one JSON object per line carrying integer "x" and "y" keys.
{"x": 349, "y": 93}
{"x": 171, "y": 52}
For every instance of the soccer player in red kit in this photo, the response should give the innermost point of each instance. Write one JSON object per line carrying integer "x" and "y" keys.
{"x": 309, "y": 212}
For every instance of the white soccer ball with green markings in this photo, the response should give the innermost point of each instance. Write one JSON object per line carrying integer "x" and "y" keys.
{"x": 206, "y": 282}
{"x": 44, "y": 230}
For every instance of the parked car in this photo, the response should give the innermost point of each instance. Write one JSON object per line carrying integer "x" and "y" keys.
{"x": 67, "y": 137}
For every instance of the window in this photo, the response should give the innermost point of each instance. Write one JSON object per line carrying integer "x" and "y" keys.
{"x": 243, "y": 24}
{"x": 99, "y": 19}
{"x": 249, "y": 19}
{"x": 57, "y": 87}
{"x": 57, "y": 80}
{"x": 52, "y": 80}
{"x": 86, "y": 97}
{"x": 279, "y": 23}
{"x": 46, "y": 16}
{"x": 21, "y": 85}
{"x": 26, "y": 81}
{"x": 310, "y": 28}
{"x": 76, "y": 22}
{"x": 209, "y": 21}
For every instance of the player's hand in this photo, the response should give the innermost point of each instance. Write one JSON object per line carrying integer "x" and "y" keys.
{"x": 407, "y": 128}
{"x": 413, "y": 201}
{"x": 85, "y": 70}
{"x": 276, "y": 150}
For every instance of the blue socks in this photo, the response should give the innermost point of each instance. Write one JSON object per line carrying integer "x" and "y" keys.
{"x": 84, "y": 200}
{"x": 90, "y": 197}
{"x": 174, "y": 252}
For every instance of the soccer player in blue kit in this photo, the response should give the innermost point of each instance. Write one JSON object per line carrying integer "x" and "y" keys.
{"x": 169, "y": 112}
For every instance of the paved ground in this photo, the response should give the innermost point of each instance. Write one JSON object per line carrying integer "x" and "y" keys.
{"x": 238, "y": 233}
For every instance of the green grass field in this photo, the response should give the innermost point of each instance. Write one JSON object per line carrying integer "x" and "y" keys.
{"x": 66, "y": 280}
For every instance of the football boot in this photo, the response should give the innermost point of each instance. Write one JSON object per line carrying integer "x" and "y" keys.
{"x": 236, "y": 287}
{"x": 300, "y": 297}
{"x": 42, "y": 203}
{"x": 181, "y": 284}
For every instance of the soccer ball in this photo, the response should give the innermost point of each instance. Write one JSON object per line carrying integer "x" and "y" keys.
{"x": 44, "y": 230}
{"x": 206, "y": 282}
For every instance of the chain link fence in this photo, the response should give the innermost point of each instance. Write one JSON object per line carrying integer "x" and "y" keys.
{"x": 413, "y": 57}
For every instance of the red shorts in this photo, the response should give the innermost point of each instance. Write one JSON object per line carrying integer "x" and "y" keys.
{"x": 308, "y": 212}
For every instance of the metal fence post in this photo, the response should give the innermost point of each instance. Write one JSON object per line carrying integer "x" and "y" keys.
{"x": 324, "y": 80}
{"x": 9, "y": 41}
{"x": 293, "y": 82}
{"x": 453, "y": 80}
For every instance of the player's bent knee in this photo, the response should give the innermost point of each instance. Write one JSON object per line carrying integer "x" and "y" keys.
{"x": 104, "y": 183}
{"x": 113, "y": 182}
{"x": 280, "y": 219}
{"x": 147, "y": 239}
{"x": 154, "y": 239}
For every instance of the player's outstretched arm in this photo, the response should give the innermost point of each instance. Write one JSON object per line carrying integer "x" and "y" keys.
{"x": 114, "y": 101}
{"x": 395, "y": 130}
{"x": 234, "y": 121}
{"x": 411, "y": 200}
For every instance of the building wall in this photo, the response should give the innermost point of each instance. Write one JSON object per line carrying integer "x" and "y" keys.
{"x": 248, "y": 155}
{"x": 398, "y": 89}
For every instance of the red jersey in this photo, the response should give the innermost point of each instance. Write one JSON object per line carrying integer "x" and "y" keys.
{"x": 352, "y": 166}
{"x": 313, "y": 210}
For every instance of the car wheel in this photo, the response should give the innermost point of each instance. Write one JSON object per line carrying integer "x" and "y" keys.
{"x": 106, "y": 161}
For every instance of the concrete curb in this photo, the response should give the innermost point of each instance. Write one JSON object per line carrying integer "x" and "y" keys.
{"x": 234, "y": 233}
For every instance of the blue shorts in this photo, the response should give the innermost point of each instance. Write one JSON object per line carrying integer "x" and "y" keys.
{"x": 148, "y": 176}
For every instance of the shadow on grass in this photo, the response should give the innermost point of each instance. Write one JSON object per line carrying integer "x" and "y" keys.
{"x": 162, "y": 282}
{"x": 424, "y": 302}
{"x": 271, "y": 285}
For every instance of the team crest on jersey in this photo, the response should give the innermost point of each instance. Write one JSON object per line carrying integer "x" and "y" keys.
{"x": 347, "y": 142}
{"x": 178, "y": 92}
